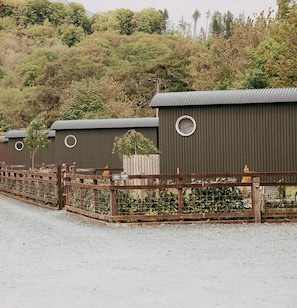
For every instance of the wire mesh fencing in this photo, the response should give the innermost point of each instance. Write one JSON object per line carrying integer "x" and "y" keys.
{"x": 39, "y": 187}
{"x": 230, "y": 197}
{"x": 171, "y": 197}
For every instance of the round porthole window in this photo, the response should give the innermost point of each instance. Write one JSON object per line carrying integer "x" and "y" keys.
{"x": 70, "y": 141}
{"x": 19, "y": 146}
{"x": 185, "y": 125}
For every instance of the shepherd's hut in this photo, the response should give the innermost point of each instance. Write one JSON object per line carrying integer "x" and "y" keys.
{"x": 89, "y": 143}
{"x": 222, "y": 131}
{"x": 17, "y": 152}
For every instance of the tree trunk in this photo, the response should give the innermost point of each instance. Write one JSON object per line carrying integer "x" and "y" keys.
{"x": 33, "y": 161}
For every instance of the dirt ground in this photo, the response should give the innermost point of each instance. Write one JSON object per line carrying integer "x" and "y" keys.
{"x": 56, "y": 259}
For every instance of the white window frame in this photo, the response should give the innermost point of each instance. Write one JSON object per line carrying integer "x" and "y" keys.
{"x": 19, "y": 143}
{"x": 68, "y": 145}
{"x": 177, "y": 125}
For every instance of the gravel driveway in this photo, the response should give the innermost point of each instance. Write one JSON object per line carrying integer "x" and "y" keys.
{"x": 56, "y": 259}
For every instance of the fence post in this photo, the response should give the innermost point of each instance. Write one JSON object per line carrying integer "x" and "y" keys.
{"x": 180, "y": 192}
{"x": 95, "y": 192}
{"x": 73, "y": 168}
{"x": 2, "y": 173}
{"x": 60, "y": 187}
{"x": 112, "y": 198}
{"x": 256, "y": 201}
{"x": 66, "y": 170}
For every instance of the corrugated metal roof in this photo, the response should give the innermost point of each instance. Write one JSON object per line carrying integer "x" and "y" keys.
{"x": 3, "y": 139}
{"x": 106, "y": 123}
{"x": 21, "y": 133}
{"x": 224, "y": 97}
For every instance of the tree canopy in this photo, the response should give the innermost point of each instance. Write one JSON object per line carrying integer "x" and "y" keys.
{"x": 55, "y": 58}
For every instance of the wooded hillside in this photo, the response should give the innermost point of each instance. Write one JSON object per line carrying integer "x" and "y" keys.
{"x": 55, "y": 58}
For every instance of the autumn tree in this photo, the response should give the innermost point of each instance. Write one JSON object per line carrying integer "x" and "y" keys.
{"x": 52, "y": 56}
{"x": 273, "y": 62}
{"x": 15, "y": 10}
{"x": 77, "y": 16}
{"x": 283, "y": 8}
{"x": 87, "y": 102}
{"x": 150, "y": 21}
{"x": 125, "y": 21}
{"x": 72, "y": 35}
{"x": 58, "y": 14}
{"x": 281, "y": 63}
{"x": 37, "y": 11}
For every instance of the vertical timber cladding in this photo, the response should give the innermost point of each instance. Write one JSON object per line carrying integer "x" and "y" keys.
{"x": 227, "y": 137}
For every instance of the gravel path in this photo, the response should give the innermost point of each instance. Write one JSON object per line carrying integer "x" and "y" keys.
{"x": 56, "y": 259}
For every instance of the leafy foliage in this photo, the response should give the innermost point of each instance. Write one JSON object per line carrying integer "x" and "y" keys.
{"x": 49, "y": 52}
{"x": 87, "y": 103}
{"x": 132, "y": 143}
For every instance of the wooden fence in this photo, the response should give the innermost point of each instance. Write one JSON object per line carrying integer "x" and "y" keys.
{"x": 43, "y": 187}
{"x": 182, "y": 197}
{"x": 117, "y": 197}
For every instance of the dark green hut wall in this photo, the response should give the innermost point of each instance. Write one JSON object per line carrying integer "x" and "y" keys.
{"x": 263, "y": 136}
{"x": 14, "y": 157}
{"x": 94, "y": 146}
{"x": 4, "y": 152}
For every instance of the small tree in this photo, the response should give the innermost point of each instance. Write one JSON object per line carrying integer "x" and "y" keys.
{"x": 132, "y": 143}
{"x": 36, "y": 137}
